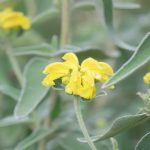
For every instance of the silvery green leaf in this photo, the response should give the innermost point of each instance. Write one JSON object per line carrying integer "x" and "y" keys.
{"x": 33, "y": 91}
{"x": 119, "y": 125}
{"x": 140, "y": 57}
{"x": 144, "y": 143}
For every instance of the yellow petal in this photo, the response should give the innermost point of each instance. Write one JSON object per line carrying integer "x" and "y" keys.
{"x": 71, "y": 60}
{"x": 16, "y": 22}
{"x": 50, "y": 78}
{"x": 87, "y": 78}
{"x": 58, "y": 67}
{"x": 146, "y": 78}
{"x": 47, "y": 81}
{"x": 88, "y": 90}
{"x": 100, "y": 70}
{"x": 74, "y": 83}
{"x": 11, "y": 19}
{"x": 107, "y": 69}
{"x": 54, "y": 71}
{"x": 92, "y": 65}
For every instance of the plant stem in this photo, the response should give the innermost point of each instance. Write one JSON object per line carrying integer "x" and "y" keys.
{"x": 114, "y": 144}
{"x": 82, "y": 124}
{"x": 47, "y": 121}
{"x": 65, "y": 23}
{"x": 14, "y": 65}
{"x": 31, "y": 7}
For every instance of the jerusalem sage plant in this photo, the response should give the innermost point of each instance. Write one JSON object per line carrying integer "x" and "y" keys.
{"x": 51, "y": 46}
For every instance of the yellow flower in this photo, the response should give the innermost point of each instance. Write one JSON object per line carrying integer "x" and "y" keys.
{"x": 78, "y": 79}
{"x": 146, "y": 78}
{"x": 10, "y": 19}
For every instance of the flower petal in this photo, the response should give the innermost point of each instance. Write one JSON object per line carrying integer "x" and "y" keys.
{"x": 58, "y": 67}
{"x": 12, "y": 19}
{"x": 91, "y": 65}
{"x": 49, "y": 79}
{"x": 71, "y": 60}
{"x": 74, "y": 83}
{"x": 100, "y": 70}
{"x": 88, "y": 90}
{"x": 106, "y": 69}
{"x": 146, "y": 78}
{"x": 54, "y": 71}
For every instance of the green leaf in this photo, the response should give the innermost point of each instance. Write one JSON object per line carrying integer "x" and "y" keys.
{"x": 42, "y": 110}
{"x": 139, "y": 58}
{"x": 11, "y": 120}
{"x": 69, "y": 142}
{"x": 144, "y": 143}
{"x": 121, "y": 124}
{"x": 6, "y": 87}
{"x": 126, "y": 5}
{"x": 90, "y": 6}
{"x": 41, "y": 50}
{"x": 33, "y": 91}
{"x": 10, "y": 91}
{"x": 47, "y": 51}
{"x": 36, "y": 136}
{"x": 85, "y": 6}
{"x": 44, "y": 16}
{"x": 108, "y": 16}
{"x": 41, "y": 133}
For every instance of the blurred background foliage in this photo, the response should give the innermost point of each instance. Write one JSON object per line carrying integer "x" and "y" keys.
{"x": 40, "y": 45}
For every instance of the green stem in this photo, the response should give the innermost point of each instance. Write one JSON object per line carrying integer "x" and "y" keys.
{"x": 31, "y": 7}
{"x": 114, "y": 144}
{"x": 14, "y": 65}
{"x": 82, "y": 124}
{"x": 65, "y": 23}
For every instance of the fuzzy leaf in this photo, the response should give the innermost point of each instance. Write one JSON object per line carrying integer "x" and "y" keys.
{"x": 36, "y": 136}
{"x": 47, "y": 51}
{"x": 119, "y": 125}
{"x": 41, "y": 50}
{"x": 140, "y": 57}
{"x": 44, "y": 16}
{"x": 10, "y": 91}
{"x": 33, "y": 91}
{"x": 87, "y": 6}
{"x": 41, "y": 133}
{"x": 6, "y": 87}
{"x": 108, "y": 16}
{"x": 9, "y": 121}
{"x": 144, "y": 143}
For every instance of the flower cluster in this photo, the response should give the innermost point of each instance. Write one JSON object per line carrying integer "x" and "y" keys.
{"x": 146, "y": 78}
{"x": 10, "y": 19}
{"x": 78, "y": 79}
